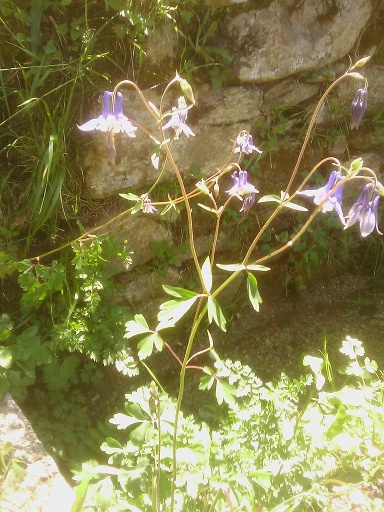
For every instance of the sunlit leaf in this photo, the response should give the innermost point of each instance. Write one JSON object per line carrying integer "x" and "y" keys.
{"x": 122, "y": 421}
{"x": 231, "y": 268}
{"x": 136, "y": 326}
{"x": 145, "y": 345}
{"x": 206, "y": 272}
{"x": 259, "y": 268}
{"x": 215, "y": 313}
{"x": 225, "y": 393}
{"x": 253, "y": 292}
{"x": 172, "y": 310}
{"x": 180, "y": 293}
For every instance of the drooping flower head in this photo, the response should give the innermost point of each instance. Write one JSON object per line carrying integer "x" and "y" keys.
{"x": 359, "y": 106}
{"x": 111, "y": 121}
{"x": 334, "y": 201}
{"x": 148, "y": 206}
{"x": 244, "y": 143}
{"x": 242, "y": 188}
{"x": 179, "y": 118}
{"x": 365, "y": 210}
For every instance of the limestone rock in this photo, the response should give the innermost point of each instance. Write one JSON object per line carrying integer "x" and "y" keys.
{"x": 291, "y": 37}
{"x": 42, "y": 489}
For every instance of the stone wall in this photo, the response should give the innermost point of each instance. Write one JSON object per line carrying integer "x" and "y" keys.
{"x": 284, "y": 54}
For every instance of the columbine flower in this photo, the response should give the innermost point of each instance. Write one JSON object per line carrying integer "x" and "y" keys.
{"x": 179, "y": 118}
{"x": 111, "y": 123}
{"x": 334, "y": 201}
{"x": 244, "y": 143}
{"x": 359, "y": 106}
{"x": 365, "y": 210}
{"x": 148, "y": 206}
{"x": 114, "y": 122}
{"x": 241, "y": 187}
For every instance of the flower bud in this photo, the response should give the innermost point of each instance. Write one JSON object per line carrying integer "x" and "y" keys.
{"x": 359, "y": 106}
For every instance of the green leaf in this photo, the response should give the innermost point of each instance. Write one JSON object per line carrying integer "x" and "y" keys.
{"x": 262, "y": 478}
{"x": 5, "y": 358}
{"x": 231, "y": 268}
{"x": 145, "y": 346}
{"x": 225, "y": 392}
{"x": 269, "y": 199}
{"x": 253, "y": 292}
{"x": 172, "y": 310}
{"x": 206, "y": 272}
{"x": 259, "y": 268}
{"x": 294, "y": 206}
{"x": 130, "y": 197}
{"x": 138, "y": 206}
{"x": 206, "y": 382}
{"x": 122, "y": 421}
{"x": 204, "y": 207}
{"x": 337, "y": 425}
{"x": 215, "y": 313}
{"x": 180, "y": 293}
{"x": 136, "y": 326}
{"x": 81, "y": 493}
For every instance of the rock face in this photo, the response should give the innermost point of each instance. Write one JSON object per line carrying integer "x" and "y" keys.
{"x": 40, "y": 488}
{"x": 290, "y": 37}
{"x": 279, "y": 52}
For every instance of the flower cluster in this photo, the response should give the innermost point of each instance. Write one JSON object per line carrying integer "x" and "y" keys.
{"x": 364, "y": 210}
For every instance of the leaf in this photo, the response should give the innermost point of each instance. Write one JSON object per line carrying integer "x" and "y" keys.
{"x": 172, "y": 310}
{"x": 262, "y": 478}
{"x": 81, "y": 493}
{"x": 269, "y": 199}
{"x": 136, "y": 326}
{"x": 206, "y": 272}
{"x": 206, "y": 382}
{"x": 215, "y": 313}
{"x": 5, "y": 358}
{"x": 231, "y": 268}
{"x": 294, "y": 206}
{"x": 207, "y": 208}
{"x": 145, "y": 346}
{"x": 225, "y": 392}
{"x": 337, "y": 425}
{"x": 253, "y": 292}
{"x": 260, "y": 268}
{"x": 130, "y": 197}
{"x": 138, "y": 206}
{"x": 122, "y": 421}
{"x": 180, "y": 293}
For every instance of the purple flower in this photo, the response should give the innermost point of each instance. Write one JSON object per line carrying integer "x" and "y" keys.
{"x": 244, "y": 143}
{"x": 334, "y": 201}
{"x": 365, "y": 210}
{"x": 359, "y": 106}
{"x": 179, "y": 118}
{"x": 148, "y": 206}
{"x": 241, "y": 187}
{"x": 113, "y": 122}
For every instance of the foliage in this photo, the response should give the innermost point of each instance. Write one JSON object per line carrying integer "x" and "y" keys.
{"x": 283, "y": 446}
{"x": 69, "y": 318}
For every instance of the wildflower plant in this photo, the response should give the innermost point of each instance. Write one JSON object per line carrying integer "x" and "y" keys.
{"x": 169, "y": 462}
